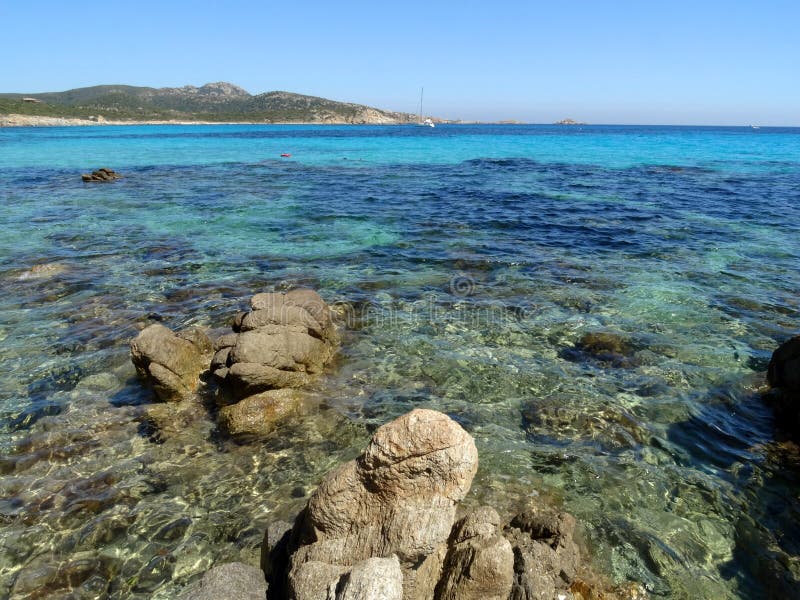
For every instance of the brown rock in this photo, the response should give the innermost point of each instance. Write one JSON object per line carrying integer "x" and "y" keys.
{"x": 172, "y": 364}
{"x": 288, "y": 308}
{"x": 283, "y": 340}
{"x": 101, "y": 175}
{"x": 245, "y": 379}
{"x": 225, "y": 341}
{"x": 608, "y": 349}
{"x": 315, "y": 581}
{"x": 398, "y": 497}
{"x": 545, "y": 555}
{"x": 220, "y": 359}
{"x": 480, "y": 564}
{"x": 258, "y": 414}
{"x": 372, "y": 579}
{"x": 285, "y": 347}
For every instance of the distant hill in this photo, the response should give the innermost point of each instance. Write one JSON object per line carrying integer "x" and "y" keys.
{"x": 216, "y": 102}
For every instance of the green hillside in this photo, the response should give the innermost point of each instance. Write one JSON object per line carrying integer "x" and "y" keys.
{"x": 219, "y": 102}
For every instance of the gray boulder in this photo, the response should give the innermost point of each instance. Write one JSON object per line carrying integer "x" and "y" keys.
{"x": 381, "y": 526}
{"x": 231, "y": 581}
{"x": 171, "y": 362}
{"x": 399, "y": 497}
{"x": 282, "y": 342}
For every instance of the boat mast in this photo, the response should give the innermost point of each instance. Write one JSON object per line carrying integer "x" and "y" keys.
{"x": 419, "y": 116}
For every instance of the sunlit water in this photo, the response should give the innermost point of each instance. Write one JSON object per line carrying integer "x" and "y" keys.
{"x": 472, "y": 259}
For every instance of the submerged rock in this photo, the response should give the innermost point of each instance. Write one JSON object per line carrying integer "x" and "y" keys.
{"x": 43, "y": 271}
{"x": 606, "y": 349}
{"x": 172, "y": 363}
{"x": 258, "y": 414}
{"x": 183, "y": 419}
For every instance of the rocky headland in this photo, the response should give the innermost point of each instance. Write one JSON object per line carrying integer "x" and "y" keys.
{"x": 219, "y": 102}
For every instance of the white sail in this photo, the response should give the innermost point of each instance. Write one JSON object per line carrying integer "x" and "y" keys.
{"x": 426, "y": 122}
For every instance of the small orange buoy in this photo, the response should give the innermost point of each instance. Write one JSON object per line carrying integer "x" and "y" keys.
{"x": 286, "y": 155}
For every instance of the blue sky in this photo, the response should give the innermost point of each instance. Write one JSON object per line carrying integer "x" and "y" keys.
{"x": 712, "y": 62}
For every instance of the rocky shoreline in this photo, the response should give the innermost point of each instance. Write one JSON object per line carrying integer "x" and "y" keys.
{"x": 400, "y": 520}
{"x": 386, "y": 525}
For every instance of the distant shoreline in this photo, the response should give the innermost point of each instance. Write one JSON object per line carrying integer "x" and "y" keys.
{"x": 17, "y": 120}
{"x": 14, "y": 120}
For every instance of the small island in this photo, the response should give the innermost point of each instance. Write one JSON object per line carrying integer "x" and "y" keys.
{"x": 569, "y": 122}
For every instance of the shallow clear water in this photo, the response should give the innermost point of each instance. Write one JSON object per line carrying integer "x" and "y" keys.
{"x": 471, "y": 260}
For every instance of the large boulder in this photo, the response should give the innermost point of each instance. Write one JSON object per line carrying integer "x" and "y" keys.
{"x": 398, "y": 498}
{"x": 171, "y": 362}
{"x": 382, "y": 526}
{"x": 283, "y": 341}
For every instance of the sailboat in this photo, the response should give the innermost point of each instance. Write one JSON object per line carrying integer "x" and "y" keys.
{"x": 426, "y": 122}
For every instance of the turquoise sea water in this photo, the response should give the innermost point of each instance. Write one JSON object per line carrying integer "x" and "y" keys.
{"x": 468, "y": 262}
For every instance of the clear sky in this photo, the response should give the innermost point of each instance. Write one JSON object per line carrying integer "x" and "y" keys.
{"x": 698, "y": 62}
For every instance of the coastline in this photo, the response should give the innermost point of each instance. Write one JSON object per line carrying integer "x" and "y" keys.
{"x": 17, "y": 120}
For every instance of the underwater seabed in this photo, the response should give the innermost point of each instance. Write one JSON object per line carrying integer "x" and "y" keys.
{"x": 601, "y": 330}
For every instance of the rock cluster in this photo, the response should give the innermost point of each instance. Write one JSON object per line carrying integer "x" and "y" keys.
{"x": 101, "y": 175}
{"x": 275, "y": 348}
{"x": 386, "y": 522}
{"x": 783, "y": 375}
